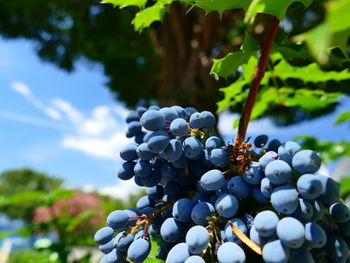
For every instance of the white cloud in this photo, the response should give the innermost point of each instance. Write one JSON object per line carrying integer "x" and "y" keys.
{"x": 122, "y": 190}
{"x": 72, "y": 113}
{"x": 21, "y": 88}
{"x": 52, "y": 113}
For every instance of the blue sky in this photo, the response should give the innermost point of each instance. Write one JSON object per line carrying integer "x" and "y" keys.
{"x": 69, "y": 125}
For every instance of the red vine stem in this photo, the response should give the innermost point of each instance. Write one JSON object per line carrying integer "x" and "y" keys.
{"x": 255, "y": 85}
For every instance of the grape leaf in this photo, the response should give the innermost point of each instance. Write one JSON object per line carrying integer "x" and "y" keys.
{"x": 277, "y": 8}
{"x": 331, "y": 33}
{"x": 152, "y": 257}
{"x": 221, "y": 5}
{"x": 345, "y": 187}
{"x": 125, "y": 3}
{"x": 151, "y": 14}
{"x": 343, "y": 117}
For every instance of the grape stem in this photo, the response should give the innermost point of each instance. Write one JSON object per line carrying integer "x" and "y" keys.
{"x": 255, "y": 85}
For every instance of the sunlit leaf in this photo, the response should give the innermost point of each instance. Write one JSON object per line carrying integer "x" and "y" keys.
{"x": 343, "y": 117}
{"x": 23, "y": 197}
{"x": 125, "y": 3}
{"x": 221, "y": 5}
{"x": 345, "y": 186}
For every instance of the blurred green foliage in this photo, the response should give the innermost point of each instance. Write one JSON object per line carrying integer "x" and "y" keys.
{"x": 31, "y": 256}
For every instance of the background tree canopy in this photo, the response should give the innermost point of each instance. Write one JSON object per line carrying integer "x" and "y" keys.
{"x": 171, "y": 61}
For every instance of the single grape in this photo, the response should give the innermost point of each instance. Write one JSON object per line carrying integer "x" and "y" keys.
{"x": 182, "y": 209}
{"x": 265, "y": 223}
{"x": 330, "y": 190}
{"x": 258, "y": 196}
{"x": 230, "y": 252}
{"x": 132, "y": 116}
{"x": 284, "y": 199}
{"x": 212, "y": 180}
{"x": 278, "y": 172}
{"x": 139, "y": 250}
{"x": 152, "y": 120}
{"x": 143, "y": 152}
{"x": 309, "y": 186}
{"x": 336, "y": 248}
{"x": 260, "y": 140}
{"x": 197, "y": 120}
{"x": 178, "y": 254}
{"x": 118, "y": 219}
{"x": 144, "y": 201}
{"x": 194, "y": 259}
{"x": 209, "y": 119}
{"x": 339, "y": 212}
{"x": 122, "y": 241}
{"x": 179, "y": 127}
{"x": 291, "y": 232}
{"x": 181, "y": 112}
{"x": 197, "y": 239}
{"x": 108, "y": 247}
{"x": 273, "y": 145}
{"x": 315, "y": 235}
{"x": 154, "y": 107}
{"x": 192, "y": 148}
{"x": 304, "y": 211}
{"x": 227, "y": 205}
{"x": 169, "y": 113}
{"x": 104, "y": 235}
{"x": 171, "y": 230}
{"x": 287, "y": 150}
{"x": 173, "y": 151}
{"x": 219, "y": 157}
{"x": 128, "y": 152}
{"x": 158, "y": 141}
{"x": 266, "y": 159}
{"x": 306, "y": 161}
{"x": 238, "y": 187}
{"x": 213, "y": 142}
{"x": 253, "y": 175}
{"x": 266, "y": 187}
{"x": 202, "y": 212}
{"x": 141, "y": 110}
{"x": 275, "y": 252}
{"x": 143, "y": 168}
{"x": 134, "y": 127}
{"x": 115, "y": 256}
{"x": 126, "y": 171}
{"x": 190, "y": 111}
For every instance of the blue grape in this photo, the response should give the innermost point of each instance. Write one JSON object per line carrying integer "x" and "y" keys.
{"x": 291, "y": 232}
{"x": 179, "y": 127}
{"x": 141, "y": 110}
{"x": 194, "y": 259}
{"x": 258, "y": 196}
{"x": 143, "y": 152}
{"x": 253, "y": 175}
{"x": 306, "y": 161}
{"x": 182, "y": 209}
{"x": 266, "y": 159}
{"x": 122, "y": 241}
{"x": 104, "y": 235}
{"x": 197, "y": 120}
{"x": 278, "y": 172}
{"x": 287, "y": 150}
{"x": 223, "y": 189}
{"x": 154, "y": 107}
{"x": 266, "y": 187}
{"x": 143, "y": 168}
{"x": 181, "y": 112}
{"x": 173, "y": 151}
{"x": 227, "y": 205}
{"x": 304, "y": 211}
{"x": 144, "y": 201}
{"x": 132, "y": 116}
{"x": 212, "y": 180}
{"x": 173, "y": 190}
{"x": 152, "y": 120}
{"x": 284, "y": 199}
{"x": 273, "y": 145}
{"x": 339, "y": 212}
{"x": 171, "y": 230}
{"x": 265, "y": 223}
{"x": 209, "y": 119}
{"x": 155, "y": 192}
{"x": 118, "y": 219}
{"x": 139, "y": 250}
{"x": 275, "y": 252}
{"x": 158, "y": 141}
{"x": 330, "y": 190}
{"x": 180, "y": 163}
{"x": 315, "y": 235}
{"x": 128, "y": 152}
{"x": 192, "y": 148}
{"x": 162, "y": 253}
{"x": 301, "y": 255}
{"x": 139, "y": 137}
{"x": 202, "y": 212}
{"x": 190, "y": 111}
{"x": 169, "y": 113}
{"x": 219, "y": 157}
{"x": 108, "y": 247}
{"x": 260, "y": 140}
{"x": 134, "y": 127}
{"x": 126, "y": 171}
{"x": 115, "y": 256}
{"x": 318, "y": 209}
{"x": 229, "y": 235}
{"x": 230, "y": 252}
{"x": 213, "y": 142}
{"x": 178, "y": 254}
{"x": 197, "y": 239}
{"x": 238, "y": 187}
{"x": 336, "y": 248}
{"x": 309, "y": 186}
{"x": 256, "y": 238}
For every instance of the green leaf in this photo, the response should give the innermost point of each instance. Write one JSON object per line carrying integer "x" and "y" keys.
{"x": 228, "y": 65}
{"x": 344, "y": 187}
{"x": 309, "y": 73}
{"x": 277, "y": 8}
{"x": 151, "y": 14}
{"x": 343, "y": 117}
{"x": 23, "y": 197}
{"x": 265, "y": 98}
{"x": 221, "y": 5}
{"x": 125, "y": 3}
{"x": 333, "y": 32}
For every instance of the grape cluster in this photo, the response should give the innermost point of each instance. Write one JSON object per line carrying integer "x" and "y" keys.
{"x": 202, "y": 208}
